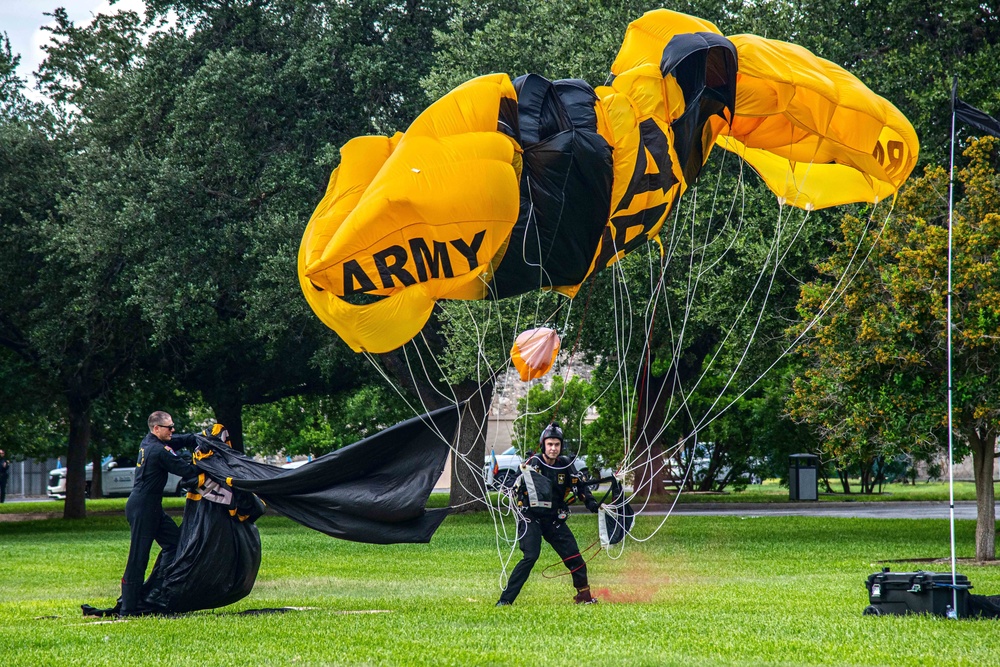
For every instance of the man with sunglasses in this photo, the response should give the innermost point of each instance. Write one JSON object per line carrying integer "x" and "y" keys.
{"x": 144, "y": 509}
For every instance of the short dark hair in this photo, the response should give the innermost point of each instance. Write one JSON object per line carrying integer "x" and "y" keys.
{"x": 157, "y": 419}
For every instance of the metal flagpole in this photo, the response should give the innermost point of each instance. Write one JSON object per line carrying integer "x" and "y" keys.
{"x": 951, "y": 476}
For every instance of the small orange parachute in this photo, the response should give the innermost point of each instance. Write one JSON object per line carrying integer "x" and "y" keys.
{"x": 534, "y": 352}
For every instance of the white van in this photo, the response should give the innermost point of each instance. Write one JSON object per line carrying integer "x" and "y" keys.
{"x": 117, "y": 478}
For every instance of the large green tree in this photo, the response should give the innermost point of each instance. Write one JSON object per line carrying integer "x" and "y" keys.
{"x": 64, "y": 309}
{"x": 211, "y": 149}
{"x": 877, "y": 359}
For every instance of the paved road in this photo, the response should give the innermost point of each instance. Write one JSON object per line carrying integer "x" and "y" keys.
{"x": 964, "y": 509}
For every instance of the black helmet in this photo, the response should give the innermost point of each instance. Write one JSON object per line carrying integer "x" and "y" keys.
{"x": 551, "y": 431}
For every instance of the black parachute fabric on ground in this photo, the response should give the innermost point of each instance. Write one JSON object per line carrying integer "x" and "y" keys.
{"x": 217, "y": 558}
{"x": 373, "y": 491}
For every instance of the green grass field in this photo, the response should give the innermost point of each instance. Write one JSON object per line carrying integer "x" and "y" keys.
{"x": 702, "y": 591}
{"x": 768, "y": 492}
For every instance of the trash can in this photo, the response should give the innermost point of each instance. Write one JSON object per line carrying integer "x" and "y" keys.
{"x": 803, "y": 477}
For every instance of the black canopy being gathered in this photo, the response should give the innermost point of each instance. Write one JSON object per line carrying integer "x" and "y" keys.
{"x": 373, "y": 491}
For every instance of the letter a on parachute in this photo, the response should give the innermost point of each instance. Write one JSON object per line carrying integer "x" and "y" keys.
{"x": 506, "y": 186}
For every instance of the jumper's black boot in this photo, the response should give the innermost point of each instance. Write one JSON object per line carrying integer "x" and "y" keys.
{"x": 583, "y": 596}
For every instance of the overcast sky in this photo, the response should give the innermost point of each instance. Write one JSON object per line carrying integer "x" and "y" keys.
{"x": 22, "y": 20}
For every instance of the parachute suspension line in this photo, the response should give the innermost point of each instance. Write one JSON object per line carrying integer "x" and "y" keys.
{"x": 568, "y": 369}
{"x": 582, "y": 554}
{"x": 462, "y": 457}
{"x": 827, "y": 306}
{"x": 776, "y": 251}
{"x": 695, "y": 250}
{"x": 741, "y": 191}
{"x": 832, "y": 299}
{"x": 698, "y": 423}
{"x": 657, "y": 287}
{"x": 399, "y": 392}
{"x": 623, "y": 337}
{"x": 650, "y": 319}
{"x": 678, "y": 339}
{"x": 692, "y": 288}
{"x": 583, "y": 318}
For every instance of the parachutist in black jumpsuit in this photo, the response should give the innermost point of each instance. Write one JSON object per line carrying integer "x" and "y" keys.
{"x": 144, "y": 509}
{"x": 542, "y": 491}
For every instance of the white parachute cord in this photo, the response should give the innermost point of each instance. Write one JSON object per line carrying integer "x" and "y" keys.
{"x": 676, "y": 348}
{"x": 760, "y": 316}
{"x": 422, "y": 412}
{"x": 673, "y": 412}
{"x": 839, "y": 289}
{"x": 833, "y": 298}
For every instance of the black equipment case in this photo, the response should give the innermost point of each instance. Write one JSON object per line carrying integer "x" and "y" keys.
{"x": 921, "y": 592}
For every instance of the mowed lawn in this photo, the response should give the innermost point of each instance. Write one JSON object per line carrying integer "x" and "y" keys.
{"x": 702, "y": 591}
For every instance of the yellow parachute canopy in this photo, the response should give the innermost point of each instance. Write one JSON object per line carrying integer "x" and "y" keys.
{"x": 502, "y": 187}
{"x": 815, "y": 134}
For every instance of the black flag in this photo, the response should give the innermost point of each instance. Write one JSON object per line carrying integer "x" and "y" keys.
{"x": 970, "y": 115}
{"x": 976, "y": 118}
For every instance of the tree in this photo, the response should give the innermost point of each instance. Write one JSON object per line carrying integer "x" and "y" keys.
{"x": 212, "y": 147}
{"x": 64, "y": 309}
{"x": 876, "y": 376}
{"x": 317, "y": 425}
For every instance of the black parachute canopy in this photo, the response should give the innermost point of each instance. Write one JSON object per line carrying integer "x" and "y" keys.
{"x": 373, "y": 491}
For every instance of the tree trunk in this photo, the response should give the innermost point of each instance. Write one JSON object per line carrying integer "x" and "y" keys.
{"x": 229, "y": 412}
{"x": 76, "y": 458}
{"x": 983, "y": 448}
{"x": 650, "y": 478}
{"x": 653, "y": 394}
{"x": 845, "y": 482}
{"x": 468, "y": 488}
{"x": 97, "y": 478}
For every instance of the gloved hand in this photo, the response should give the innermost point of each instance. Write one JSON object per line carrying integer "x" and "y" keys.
{"x": 592, "y": 505}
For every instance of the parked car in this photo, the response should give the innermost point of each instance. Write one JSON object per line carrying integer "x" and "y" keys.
{"x": 117, "y": 478}
{"x": 509, "y": 464}
{"x": 699, "y": 467}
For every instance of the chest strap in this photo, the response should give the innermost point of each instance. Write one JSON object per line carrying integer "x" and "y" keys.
{"x": 529, "y": 485}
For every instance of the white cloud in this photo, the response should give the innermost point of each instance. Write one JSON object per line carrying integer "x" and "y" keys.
{"x": 23, "y": 20}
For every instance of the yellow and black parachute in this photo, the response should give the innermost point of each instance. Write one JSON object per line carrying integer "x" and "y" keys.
{"x": 503, "y": 187}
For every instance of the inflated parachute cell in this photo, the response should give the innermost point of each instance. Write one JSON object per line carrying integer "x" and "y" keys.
{"x": 500, "y": 188}
{"x": 815, "y": 134}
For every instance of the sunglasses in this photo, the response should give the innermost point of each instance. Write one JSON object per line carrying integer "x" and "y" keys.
{"x": 170, "y": 426}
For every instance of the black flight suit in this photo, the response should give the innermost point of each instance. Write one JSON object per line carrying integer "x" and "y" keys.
{"x": 144, "y": 511}
{"x": 551, "y": 484}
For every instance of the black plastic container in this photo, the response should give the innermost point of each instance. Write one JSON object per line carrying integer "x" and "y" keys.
{"x": 921, "y": 592}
